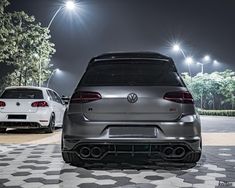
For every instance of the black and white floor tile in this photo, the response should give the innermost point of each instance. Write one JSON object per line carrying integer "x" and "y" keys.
{"x": 42, "y": 166}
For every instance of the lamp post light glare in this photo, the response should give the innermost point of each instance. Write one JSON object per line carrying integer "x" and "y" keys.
{"x": 70, "y": 5}
{"x": 215, "y": 62}
{"x": 207, "y": 58}
{"x": 189, "y": 60}
{"x": 176, "y": 47}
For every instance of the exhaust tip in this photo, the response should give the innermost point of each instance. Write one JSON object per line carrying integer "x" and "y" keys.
{"x": 96, "y": 152}
{"x": 85, "y": 152}
{"x": 179, "y": 151}
{"x": 168, "y": 151}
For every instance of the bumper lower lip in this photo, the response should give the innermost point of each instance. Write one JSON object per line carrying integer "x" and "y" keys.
{"x": 153, "y": 151}
{"x": 20, "y": 125}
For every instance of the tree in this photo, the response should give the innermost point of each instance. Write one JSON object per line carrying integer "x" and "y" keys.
{"x": 228, "y": 87}
{"x": 26, "y": 45}
{"x": 212, "y": 91}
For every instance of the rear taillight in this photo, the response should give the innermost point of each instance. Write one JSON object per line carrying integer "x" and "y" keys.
{"x": 40, "y": 104}
{"x": 2, "y": 104}
{"x": 85, "y": 97}
{"x": 180, "y": 97}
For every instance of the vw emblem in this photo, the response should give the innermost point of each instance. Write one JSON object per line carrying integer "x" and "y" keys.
{"x": 132, "y": 98}
{"x": 17, "y": 104}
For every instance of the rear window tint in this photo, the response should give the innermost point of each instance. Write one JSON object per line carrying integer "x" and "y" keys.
{"x": 22, "y": 94}
{"x": 145, "y": 73}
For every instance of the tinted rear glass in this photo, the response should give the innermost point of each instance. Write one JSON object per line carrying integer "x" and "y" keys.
{"x": 22, "y": 94}
{"x": 144, "y": 73}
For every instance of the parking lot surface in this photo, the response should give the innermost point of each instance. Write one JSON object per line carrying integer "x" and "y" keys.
{"x": 37, "y": 162}
{"x": 42, "y": 166}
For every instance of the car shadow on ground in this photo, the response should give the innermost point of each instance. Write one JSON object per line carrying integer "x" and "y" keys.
{"x": 126, "y": 166}
{"x": 152, "y": 166}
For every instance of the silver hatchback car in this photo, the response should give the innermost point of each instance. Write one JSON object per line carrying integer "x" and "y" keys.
{"x": 131, "y": 107}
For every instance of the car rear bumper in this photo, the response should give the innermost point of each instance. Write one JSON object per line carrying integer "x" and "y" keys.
{"x": 39, "y": 119}
{"x": 183, "y": 137}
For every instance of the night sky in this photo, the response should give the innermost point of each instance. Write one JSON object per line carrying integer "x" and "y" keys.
{"x": 97, "y": 26}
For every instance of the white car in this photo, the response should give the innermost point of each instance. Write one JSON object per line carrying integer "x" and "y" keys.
{"x": 31, "y": 107}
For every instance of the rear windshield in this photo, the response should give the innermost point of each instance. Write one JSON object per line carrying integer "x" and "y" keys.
{"x": 22, "y": 94}
{"x": 131, "y": 74}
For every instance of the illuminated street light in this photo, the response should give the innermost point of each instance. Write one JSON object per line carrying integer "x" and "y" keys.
{"x": 189, "y": 60}
{"x": 69, "y": 5}
{"x": 207, "y": 58}
{"x": 215, "y": 62}
{"x": 177, "y": 48}
{"x": 53, "y": 72}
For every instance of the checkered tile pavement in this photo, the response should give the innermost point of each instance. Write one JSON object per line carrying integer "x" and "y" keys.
{"x": 42, "y": 166}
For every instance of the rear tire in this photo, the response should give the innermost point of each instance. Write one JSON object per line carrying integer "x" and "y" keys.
{"x": 51, "y": 126}
{"x": 3, "y": 130}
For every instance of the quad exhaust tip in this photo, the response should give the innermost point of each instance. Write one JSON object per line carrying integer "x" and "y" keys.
{"x": 179, "y": 151}
{"x": 85, "y": 152}
{"x": 96, "y": 152}
{"x": 174, "y": 152}
{"x": 168, "y": 151}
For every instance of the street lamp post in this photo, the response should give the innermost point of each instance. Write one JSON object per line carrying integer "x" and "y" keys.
{"x": 208, "y": 60}
{"x": 53, "y": 72}
{"x": 202, "y": 72}
{"x": 70, "y": 5}
{"x": 202, "y": 67}
{"x": 53, "y": 17}
{"x": 188, "y": 60}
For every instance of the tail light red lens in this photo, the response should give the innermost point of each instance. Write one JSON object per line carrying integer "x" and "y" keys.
{"x": 40, "y": 104}
{"x": 85, "y": 97}
{"x": 183, "y": 97}
{"x": 2, "y": 104}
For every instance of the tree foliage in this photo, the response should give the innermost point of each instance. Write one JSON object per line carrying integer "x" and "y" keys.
{"x": 25, "y": 44}
{"x": 215, "y": 90}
